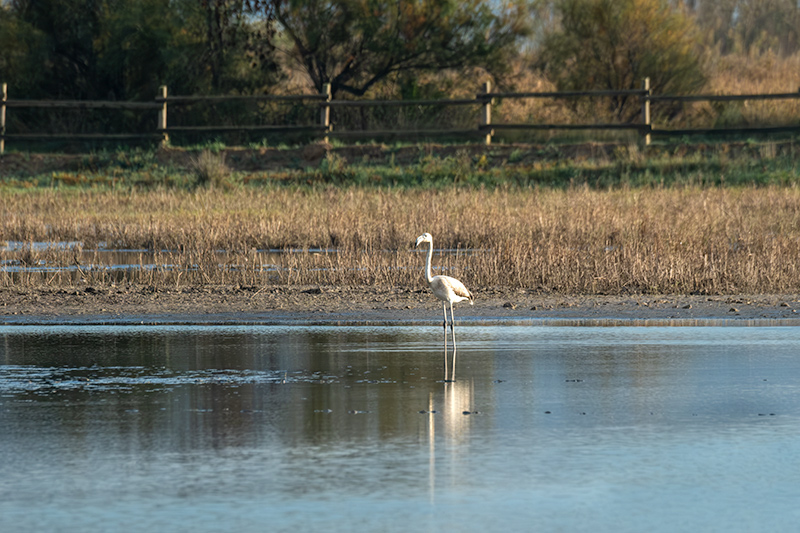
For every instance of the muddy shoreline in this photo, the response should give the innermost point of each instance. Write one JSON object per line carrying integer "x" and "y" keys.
{"x": 368, "y": 305}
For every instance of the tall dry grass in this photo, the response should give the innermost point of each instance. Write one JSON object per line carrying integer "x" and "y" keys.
{"x": 762, "y": 73}
{"x": 579, "y": 240}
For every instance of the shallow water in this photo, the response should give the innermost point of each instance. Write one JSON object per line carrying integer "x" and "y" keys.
{"x": 16, "y": 259}
{"x": 336, "y": 428}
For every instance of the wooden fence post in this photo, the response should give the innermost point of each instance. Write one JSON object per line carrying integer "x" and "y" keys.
{"x": 325, "y": 114}
{"x": 646, "y": 110}
{"x": 162, "y": 118}
{"x": 486, "y": 116}
{"x": 4, "y": 95}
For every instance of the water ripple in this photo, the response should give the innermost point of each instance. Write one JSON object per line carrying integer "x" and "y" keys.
{"x": 15, "y": 379}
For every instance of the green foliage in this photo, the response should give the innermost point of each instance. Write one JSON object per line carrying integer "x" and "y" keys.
{"x": 70, "y": 27}
{"x": 237, "y": 55}
{"x": 516, "y": 156}
{"x": 139, "y": 47}
{"x": 354, "y": 44}
{"x": 333, "y": 164}
{"x": 615, "y": 44}
{"x": 124, "y": 50}
{"x": 22, "y": 52}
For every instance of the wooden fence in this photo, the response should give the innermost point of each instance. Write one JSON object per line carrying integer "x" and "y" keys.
{"x": 484, "y": 101}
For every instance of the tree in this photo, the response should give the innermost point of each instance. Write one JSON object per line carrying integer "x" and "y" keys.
{"x": 122, "y": 49}
{"x": 615, "y": 44}
{"x": 67, "y": 28}
{"x": 138, "y": 44}
{"x": 238, "y": 44}
{"x": 354, "y": 44}
{"x": 744, "y": 26}
{"x": 22, "y": 52}
{"x": 188, "y": 45}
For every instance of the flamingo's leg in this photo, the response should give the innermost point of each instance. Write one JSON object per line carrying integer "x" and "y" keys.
{"x": 453, "y": 328}
{"x": 444, "y": 328}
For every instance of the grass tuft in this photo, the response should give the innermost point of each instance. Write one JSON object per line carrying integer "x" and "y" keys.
{"x": 210, "y": 170}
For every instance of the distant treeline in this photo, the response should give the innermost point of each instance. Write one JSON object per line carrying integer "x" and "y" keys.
{"x": 126, "y": 49}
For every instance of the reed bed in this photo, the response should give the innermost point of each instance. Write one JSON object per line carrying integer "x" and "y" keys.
{"x": 578, "y": 240}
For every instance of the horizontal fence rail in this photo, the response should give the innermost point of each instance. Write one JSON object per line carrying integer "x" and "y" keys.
{"x": 81, "y": 104}
{"x": 724, "y": 97}
{"x": 564, "y": 94}
{"x": 483, "y": 102}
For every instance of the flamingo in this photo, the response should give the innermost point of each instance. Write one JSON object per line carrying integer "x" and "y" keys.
{"x": 448, "y": 290}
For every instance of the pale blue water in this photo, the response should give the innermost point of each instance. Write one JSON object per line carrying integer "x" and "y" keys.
{"x": 320, "y": 429}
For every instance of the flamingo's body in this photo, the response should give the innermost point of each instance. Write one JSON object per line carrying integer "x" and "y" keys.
{"x": 449, "y": 291}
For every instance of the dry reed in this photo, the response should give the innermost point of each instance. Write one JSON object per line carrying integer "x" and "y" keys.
{"x": 579, "y": 240}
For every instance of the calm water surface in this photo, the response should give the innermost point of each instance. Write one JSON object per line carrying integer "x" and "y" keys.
{"x": 351, "y": 428}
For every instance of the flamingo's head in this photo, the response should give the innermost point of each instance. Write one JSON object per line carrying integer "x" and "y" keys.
{"x": 425, "y": 237}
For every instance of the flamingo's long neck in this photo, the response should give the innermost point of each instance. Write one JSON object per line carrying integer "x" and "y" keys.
{"x": 428, "y": 275}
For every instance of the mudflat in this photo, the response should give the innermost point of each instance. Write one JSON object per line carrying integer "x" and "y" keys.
{"x": 368, "y": 305}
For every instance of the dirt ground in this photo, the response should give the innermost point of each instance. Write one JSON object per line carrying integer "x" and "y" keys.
{"x": 367, "y": 305}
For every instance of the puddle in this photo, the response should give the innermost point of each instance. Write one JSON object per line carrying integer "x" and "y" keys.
{"x": 20, "y": 257}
